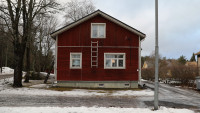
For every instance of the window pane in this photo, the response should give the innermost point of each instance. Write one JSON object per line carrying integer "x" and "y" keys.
{"x": 121, "y": 63}
{"x": 101, "y": 31}
{"x": 94, "y": 31}
{"x": 110, "y": 56}
{"x": 75, "y": 55}
{"x": 114, "y": 63}
{"x": 108, "y": 63}
{"x": 76, "y": 63}
{"x": 121, "y": 56}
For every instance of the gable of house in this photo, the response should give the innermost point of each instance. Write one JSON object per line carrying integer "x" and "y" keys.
{"x": 98, "y": 12}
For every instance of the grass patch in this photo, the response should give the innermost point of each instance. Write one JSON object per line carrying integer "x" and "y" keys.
{"x": 60, "y": 88}
{"x": 98, "y": 90}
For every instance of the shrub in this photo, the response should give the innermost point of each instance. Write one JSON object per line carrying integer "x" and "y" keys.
{"x": 186, "y": 75}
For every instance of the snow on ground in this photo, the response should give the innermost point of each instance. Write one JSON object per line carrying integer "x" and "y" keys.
{"x": 7, "y": 70}
{"x": 45, "y": 73}
{"x": 42, "y": 89}
{"x": 74, "y": 92}
{"x": 40, "y": 86}
{"x": 146, "y": 92}
{"x": 89, "y": 110}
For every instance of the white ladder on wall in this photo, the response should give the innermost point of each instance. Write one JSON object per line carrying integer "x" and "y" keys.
{"x": 94, "y": 54}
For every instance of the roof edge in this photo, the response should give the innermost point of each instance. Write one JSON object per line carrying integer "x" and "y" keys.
{"x": 62, "y": 29}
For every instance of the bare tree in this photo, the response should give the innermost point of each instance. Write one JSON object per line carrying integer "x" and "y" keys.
{"x": 43, "y": 55}
{"x": 75, "y": 10}
{"x": 19, "y": 16}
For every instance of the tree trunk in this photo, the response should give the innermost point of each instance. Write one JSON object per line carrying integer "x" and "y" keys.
{"x": 18, "y": 55}
{"x": 1, "y": 64}
{"x": 47, "y": 77}
{"x": 27, "y": 63}
{"x": 6, "y": 59}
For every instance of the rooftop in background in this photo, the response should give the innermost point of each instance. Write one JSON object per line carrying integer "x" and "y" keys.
{"x": 197, "y": 53}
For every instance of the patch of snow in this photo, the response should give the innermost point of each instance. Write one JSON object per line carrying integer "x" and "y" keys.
{"x": 40, "y": 86}
{"x": 146, "y": 92}
{"x": 45, "y": 74}
{"x": 5, "y": 88}
{"x": 178, "y": 86}
{"x": 7, "y": 70}
{"x": 143, "y": 80}
{"x": 89, "y": 110}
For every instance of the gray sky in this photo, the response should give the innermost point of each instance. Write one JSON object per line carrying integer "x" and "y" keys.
{"x": 179, "y": 23}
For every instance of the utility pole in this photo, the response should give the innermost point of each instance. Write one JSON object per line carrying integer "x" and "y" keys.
{"x": 156, "y": 57}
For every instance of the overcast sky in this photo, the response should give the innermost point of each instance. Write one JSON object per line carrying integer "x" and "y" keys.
{"x": 179, "y": 23}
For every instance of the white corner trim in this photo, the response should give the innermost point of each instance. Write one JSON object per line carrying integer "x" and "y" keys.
{"x": 56, "y": 58}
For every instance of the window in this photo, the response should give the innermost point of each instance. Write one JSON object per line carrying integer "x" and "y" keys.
{"x": 75, "y": 60}
{"x": 98, "y": 30}
{"x": 114, "y": 60}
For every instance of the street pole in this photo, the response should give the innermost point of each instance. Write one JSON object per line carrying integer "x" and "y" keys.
{"x": 156, "y": 57}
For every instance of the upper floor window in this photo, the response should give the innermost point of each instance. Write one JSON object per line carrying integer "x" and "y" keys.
{"x": 98, "y": 30}
{"x": 75, "y": 60}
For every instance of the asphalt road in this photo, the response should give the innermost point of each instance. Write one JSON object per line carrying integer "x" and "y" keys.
{"x": 176, "y": 97}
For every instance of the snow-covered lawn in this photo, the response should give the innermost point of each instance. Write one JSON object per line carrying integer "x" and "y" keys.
{"x": 43, "y": 89}
{"x": 89, "y": 110}
{"x": 36, "y": 90}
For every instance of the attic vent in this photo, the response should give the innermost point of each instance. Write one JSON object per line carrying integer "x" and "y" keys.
{"x": 101, "y": 85}
{"x": 127, "y": 85}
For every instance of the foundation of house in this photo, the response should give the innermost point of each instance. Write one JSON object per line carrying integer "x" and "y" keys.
{"x": 98, "y": 84}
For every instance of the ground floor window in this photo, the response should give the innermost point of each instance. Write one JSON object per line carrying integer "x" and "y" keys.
{"x": 114, "y": 60}
{"x": 75, "y": 60}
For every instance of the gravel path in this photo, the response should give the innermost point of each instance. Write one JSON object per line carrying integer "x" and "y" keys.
{"x": 62, "y": 101}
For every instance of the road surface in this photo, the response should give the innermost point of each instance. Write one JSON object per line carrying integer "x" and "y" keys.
{"x": 176, "y": 97}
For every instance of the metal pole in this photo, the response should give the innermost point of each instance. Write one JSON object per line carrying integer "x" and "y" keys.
{"x": 156, "y": 57}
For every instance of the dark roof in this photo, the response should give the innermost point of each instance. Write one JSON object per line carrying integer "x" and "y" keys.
{"x": 98, "y": 12}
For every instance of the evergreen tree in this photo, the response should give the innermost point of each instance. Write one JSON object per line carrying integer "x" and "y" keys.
{"x": 182, "y": 60}
{"x": 193, "y": 58}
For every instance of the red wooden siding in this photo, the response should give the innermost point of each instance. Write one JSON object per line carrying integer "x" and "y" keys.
{"x": 81, "y": 36}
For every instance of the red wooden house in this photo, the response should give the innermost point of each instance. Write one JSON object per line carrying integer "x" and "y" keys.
{"x": 98, "y": 51}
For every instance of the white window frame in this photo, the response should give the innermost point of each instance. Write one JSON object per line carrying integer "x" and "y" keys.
{"x": 124, "y": 59}
{"x": 75, "y": 53}
{"x": 98, "y": 30}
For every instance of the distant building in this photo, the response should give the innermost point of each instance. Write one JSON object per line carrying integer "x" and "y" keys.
{"x": 191, "y": 64}
{"x": 147, "y": 64}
